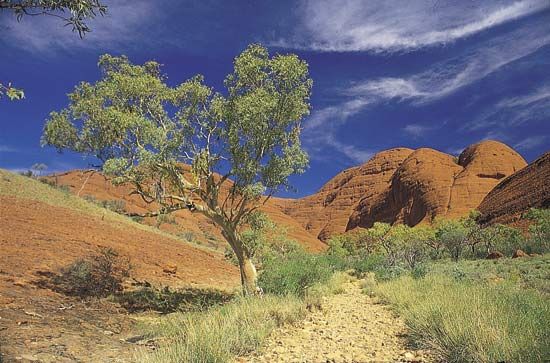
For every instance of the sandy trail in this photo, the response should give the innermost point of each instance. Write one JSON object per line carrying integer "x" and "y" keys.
{"x": 351, "y": 327}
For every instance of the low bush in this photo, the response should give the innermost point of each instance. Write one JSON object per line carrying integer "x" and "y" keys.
{"x": 222, "y": 333}
{"x": 294, "y": 273}
{"x": 369, "y": 263}
{"x": 98, "y": 275}
{"x": 165, "y": 300}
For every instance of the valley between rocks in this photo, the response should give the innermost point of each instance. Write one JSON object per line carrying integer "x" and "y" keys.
{"x": 351, "y": 327}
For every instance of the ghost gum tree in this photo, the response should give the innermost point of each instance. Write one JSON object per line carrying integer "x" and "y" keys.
{"x": 241, "y": 146}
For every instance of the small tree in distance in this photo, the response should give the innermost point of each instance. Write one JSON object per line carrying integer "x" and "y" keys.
{"x": 241, "y": 146}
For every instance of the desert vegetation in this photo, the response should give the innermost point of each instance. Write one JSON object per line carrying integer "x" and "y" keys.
{"x": 459, "y": 295}
{"x": 241, "y": 147}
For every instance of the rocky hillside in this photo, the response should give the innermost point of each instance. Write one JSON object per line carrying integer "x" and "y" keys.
{"x": 528, "y": 188}
{"x": 405, "y": 186}
{"x": 327, "y": 212}
{"x": 396, "y": 186}
{"x": 191, "y": 226}
{"x": 432, "y": 184}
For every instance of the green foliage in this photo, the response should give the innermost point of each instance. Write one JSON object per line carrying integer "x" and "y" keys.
{"x": 127, "y": 121}
{"x": 502, "y": 238}
{"x": 165, "y": 218}
{"x": 369, "y": 263}
{"x": 166, "y": 300}
{"x": 419, "y": 271}
{"x": 116, "y": 205}
{"x": 11, "y": 92}
{"x": 220, "y": 334}
{"x": 98, "y": 275}
{"x": 539, "y": 230}
{"x": 142, "y": 130}
{"x": 472, "y": 321}
{"x": 189, "y": 236}
{"x": 453, "y": 235}
{"x": 525, "y": 273}
{"x": 294, "y": 274}
{"x": 79, "y": 10}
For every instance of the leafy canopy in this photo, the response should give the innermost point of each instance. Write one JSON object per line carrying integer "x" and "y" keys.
{"x": 74, "y": 13}
{"x": 144, "y": 130}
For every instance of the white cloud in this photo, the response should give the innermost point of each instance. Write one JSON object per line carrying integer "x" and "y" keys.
{"x": 530, "y": 142}
{"x": 394, "y": 25}
{"x": 450, "y": 76}
{"x": 540, "y": 94}
{"x": 514, "y": 111}
{"x": 320, "y": 129}
{"x": 437, "y": 82}
{"x": 416, "y": 130}
{"x": 125, "y": 21}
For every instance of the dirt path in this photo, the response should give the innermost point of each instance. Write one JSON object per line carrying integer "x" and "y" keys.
{"x": 351, "y": 327}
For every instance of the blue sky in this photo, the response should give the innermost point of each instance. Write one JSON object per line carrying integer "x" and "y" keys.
{"x": 438, "y": 73}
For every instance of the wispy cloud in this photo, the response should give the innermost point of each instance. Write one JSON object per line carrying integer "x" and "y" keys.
{"x": 514, "y": 111}
{"x": 7, "y": 149}
{"x": 530, "y": 142}
{"x": 388, "y": 25}
{"x": 319, "y": 135}
{"x": 417, "y": 130}
{"x": 452, "y": 75}
{"x": 437, "y": 82}
{"x": 126, "y": 21}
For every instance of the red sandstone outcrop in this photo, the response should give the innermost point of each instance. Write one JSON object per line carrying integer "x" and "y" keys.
{"x": 396, "y": 186}
{"x": 525, "y": 189}
{"x": 327, "y": 212}
{"x": 432, "y": 184}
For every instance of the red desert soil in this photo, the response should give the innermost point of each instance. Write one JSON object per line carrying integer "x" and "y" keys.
{"x": 37, "y": 324}
{"x": 528, "y": 188}
{"x": 202, "y": 229}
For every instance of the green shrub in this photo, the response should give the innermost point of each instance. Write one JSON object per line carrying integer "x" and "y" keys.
{"x": 294, "y": 274}
{"x": 419, "y": 271}
{"x": 369, "y": 263}
{"x": 386, "y": 273}
{"x": 539, "y": 230}
{"x": 98, "y": 275}
{"x": 115, "y": 205}
{"x": 165, "y": 300}
{"x": 189, "y": 236}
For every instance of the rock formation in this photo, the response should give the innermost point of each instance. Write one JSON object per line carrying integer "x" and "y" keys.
{"x": 432, "y": 184}
{"x": 327, "y": 212}
{"x": 528, "y": 188}
{"x": 396, "y": 186}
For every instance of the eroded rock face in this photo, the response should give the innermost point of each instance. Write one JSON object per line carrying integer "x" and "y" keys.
{"x": 432, "y": 184}
{"x": 327, "y": 212}
{"x": 396, "y": 186}
{"x": 485, "y": 165}
{"x": 516, "y": 194}
{"x": 419, "y": 190}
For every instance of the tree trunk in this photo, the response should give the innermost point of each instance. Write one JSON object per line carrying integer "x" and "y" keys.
{"x": 249, "y": 276}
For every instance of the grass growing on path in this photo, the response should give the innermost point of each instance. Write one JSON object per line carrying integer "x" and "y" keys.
{"x": 235, "y": 329}
{"x": 464, "y": 319}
